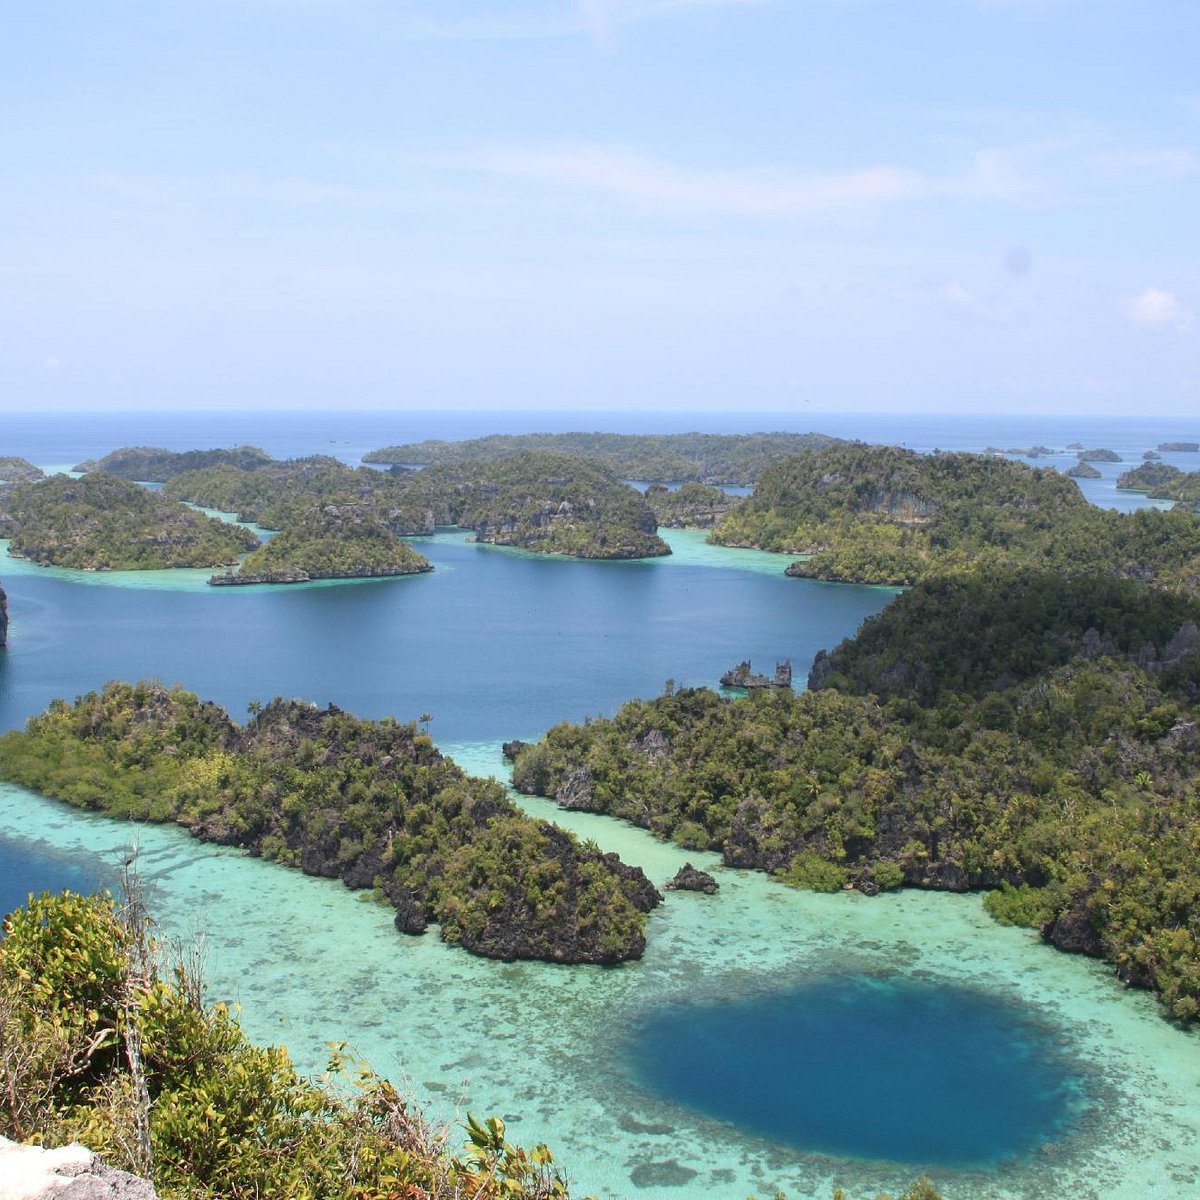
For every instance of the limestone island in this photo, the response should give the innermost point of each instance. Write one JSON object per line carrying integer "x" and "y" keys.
{"x": 742, "y": 676}
{"x": 1083, "y": 470}
{"x": 1101, "y": 455}
{"x": 883, "y": 515}
{"x": 1015, "y": 731}
{"x": 546, "y": 503}
{"x": 103, "y": 523}
{"x": 372, "y": 803}
{"x": 3, "y": 618}
{"x": 690, "y": 506}
{"x": 729, "y": 459}
{"x": 1180, "y": 447}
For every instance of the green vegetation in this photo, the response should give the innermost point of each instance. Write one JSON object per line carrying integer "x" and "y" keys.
{"x": 1031, "y": 734}
{"x": 329, "y": 543}
{"x": 1082, "y": 470}
{"x": 690, "y": 506}
{"x": 370, "y": 802}
{"x": 102, "y": 523}
{"x": 105, "y": 1041}
{"x": 1108, "y": 456}
{"x": 1149, "y": 476}
{"x": 15, "y": 470}
{"x": 735, "y": 459}
{"x": 153, "y": 464}
{"x": 1161, "y": 481}
{"x": 549, "y": 503}
{"x": 878, "y": 514}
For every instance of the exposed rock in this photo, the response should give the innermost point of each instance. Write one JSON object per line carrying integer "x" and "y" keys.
{"x": 690, "y": 879}
{"x": 68, "y": 1173}
{"x": 1072, "y": 930}
{"x": 742, "y": 676}
{"x": 643, "y": 893}
{"x": 410, "y": 912}
{"x": 822, "y": 668}
{"x": 1185, "y": 642}
{"x": 575, "y": 791}
{"x": 513, "y": 748}
{"x": 3, "y": 618}
{"x": 653, "y": 744}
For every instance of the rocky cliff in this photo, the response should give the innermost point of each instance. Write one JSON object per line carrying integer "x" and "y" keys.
{"x": 3, "y": 618}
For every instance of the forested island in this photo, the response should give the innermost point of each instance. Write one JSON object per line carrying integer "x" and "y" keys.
{"x": 153, "y": 464}
{"x": 731, "y": 459}
{"x": 372, "y": 803}
{"x": 1162, "y": 481}
{"x": 103, "y": 523}
{"x": 690, "y": 506}
{"x": 882, "y": 515}
{"x": 14, "y": 470}
{"x": 547, "y": 503}
{"x": 1025, "y": 733}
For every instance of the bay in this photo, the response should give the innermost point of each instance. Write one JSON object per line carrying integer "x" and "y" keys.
{"x": 498, "y": 644}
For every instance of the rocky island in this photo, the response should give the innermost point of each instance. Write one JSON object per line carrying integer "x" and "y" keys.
{"x": 1179, "y": 447}
{"x": 730, "y": 459}
{"x": 1101, "y": 455}
{"x": 742, "y": 676}
{"x": 690, "y": 506}
{"x": 153, "y": 464}
{"x": 331, "y": 542}
{"x": 103, "y": 523}
{"x": 372, "y": 803}
{"x": 3, "y": 618}
{"x": 1083, "y": 470}
{"x": 1024, "y": 733}
{"x": 882, "y": 515}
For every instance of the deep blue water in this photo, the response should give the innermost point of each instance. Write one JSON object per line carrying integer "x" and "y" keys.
{"x": 858, "y": 1067}
{"x": 494, "y": 644}
{"x": 23, "y": 871}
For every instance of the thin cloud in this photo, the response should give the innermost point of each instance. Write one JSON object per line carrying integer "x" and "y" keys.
{"x": 1154, "y": 308}
{"x": 654, "y": 184}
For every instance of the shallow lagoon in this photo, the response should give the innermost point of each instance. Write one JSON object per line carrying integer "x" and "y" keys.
{"x": 498, "y": 644}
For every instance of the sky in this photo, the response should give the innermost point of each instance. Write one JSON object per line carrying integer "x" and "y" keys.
{"x": 702, "y": 205}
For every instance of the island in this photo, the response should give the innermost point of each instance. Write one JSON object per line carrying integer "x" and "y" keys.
{"x": 3, "y": 618}
{"x": 1020, "y": 732}
{"x": 1151, "y": 455}
{"x": 153, "y": 464}
{"x": 103, "y": 523}
{"x": 690, "y": 506}
{"x": 332, "y": 542}
{"x": 729, "y": 459}
{"x": 743, "y": 676}
{"x": 372, "y": 803}
{"x": 1180, "y": 447}
{"x": 538, "y": 501}
{"x": 1083, "y": 470}
{"x": 15, "y": 470}
{"x": 1108, "y": 456}
{"x": 883, "y": 515}
{"x": 1149, "y": 476}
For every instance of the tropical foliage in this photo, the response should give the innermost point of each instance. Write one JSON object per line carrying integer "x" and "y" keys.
{"x": 879, "y": 514}
{"x": 104, "y": 1040}
{"x": 102, "y": 523}
{"x": 370, "y": 802}
{"x": 1039, "y": 737}
{"x": 735, "y": 459}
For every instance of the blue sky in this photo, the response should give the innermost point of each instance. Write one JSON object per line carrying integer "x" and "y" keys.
{"x": 929, "y": 205}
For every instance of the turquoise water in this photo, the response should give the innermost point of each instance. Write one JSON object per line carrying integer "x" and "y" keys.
{"x": 499, "y": 644}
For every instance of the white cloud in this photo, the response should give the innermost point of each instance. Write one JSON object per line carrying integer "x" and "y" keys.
{"x": 747, "y": 191}
{"x": 52, "y": 362}
{"x": 1158, "y": 309}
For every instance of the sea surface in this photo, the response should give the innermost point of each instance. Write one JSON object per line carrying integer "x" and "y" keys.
{"x": 770, "y": 1038}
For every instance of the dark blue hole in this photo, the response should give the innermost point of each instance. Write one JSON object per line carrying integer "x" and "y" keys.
{"x": 857, "y": 1067}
